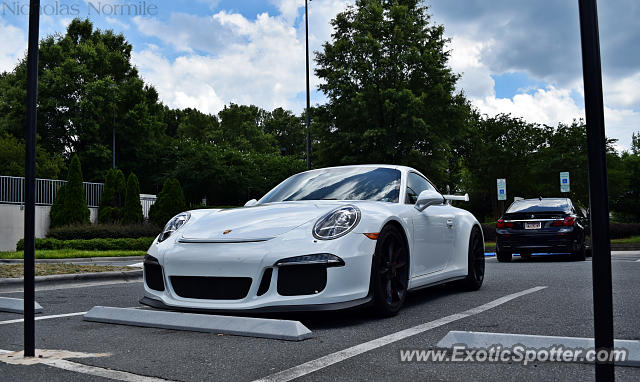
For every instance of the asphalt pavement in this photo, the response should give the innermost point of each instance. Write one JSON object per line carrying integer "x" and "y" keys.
{"x": 563, "y": 308}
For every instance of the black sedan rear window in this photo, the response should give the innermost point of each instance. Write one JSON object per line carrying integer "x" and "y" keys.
{"x": 536, "y": 205}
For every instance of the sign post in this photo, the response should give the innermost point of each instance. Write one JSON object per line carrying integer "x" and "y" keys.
{"x": 502, "y": 189}
{"x": 598, "y": 191}
{"x": 564, "y": 182}
{"x": 30, "y": 180}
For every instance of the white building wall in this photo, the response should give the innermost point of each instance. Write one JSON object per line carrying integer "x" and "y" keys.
{"x": 12, "y": 224}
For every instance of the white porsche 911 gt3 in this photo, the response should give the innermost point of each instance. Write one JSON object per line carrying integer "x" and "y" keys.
{"x": 331, "y": 238}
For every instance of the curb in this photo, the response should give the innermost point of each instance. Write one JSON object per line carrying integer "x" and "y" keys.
{"x": 75, "y": 260}
{"x": 78, "y": 278}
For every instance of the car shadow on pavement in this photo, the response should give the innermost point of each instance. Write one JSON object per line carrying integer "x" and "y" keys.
{"x": 546, "y": 258}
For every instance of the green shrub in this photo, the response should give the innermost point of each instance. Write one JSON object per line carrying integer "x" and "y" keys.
{"x": 170, "y": 202}
{"x": 113, "y": 196}
{"x": 56, "y": 214}
{"x": 103, "y": 231}
{"x": 125, "y": 244}
{"x": 132, "y": 212}
{"x": 71, "y": 205}
{"x": 623, "y": 230}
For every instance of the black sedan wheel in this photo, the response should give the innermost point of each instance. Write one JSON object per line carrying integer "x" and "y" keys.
{"x": 390, "y": 272}
{"x": 475, "y": 273}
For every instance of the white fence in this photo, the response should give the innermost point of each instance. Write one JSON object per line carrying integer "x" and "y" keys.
{"x": 12, "y": 191}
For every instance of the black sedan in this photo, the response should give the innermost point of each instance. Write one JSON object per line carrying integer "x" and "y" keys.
{"x": 542, "y": 225}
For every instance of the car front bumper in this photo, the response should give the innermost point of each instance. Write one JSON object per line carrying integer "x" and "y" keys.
{"x": 344, "y": 286}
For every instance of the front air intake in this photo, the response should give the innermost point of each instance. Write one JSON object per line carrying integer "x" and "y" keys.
{"x": 211, "y": 288}
{"x": 295, "y": 280}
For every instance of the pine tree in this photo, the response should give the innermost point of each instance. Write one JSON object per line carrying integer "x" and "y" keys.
{"x": 75, "y": 210}
{"x": 170, "y": 202}
{"x": 56, "y": 214}
{"x": 132, "y": 213}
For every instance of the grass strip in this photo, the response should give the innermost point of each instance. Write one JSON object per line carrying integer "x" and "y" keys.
{"x": 17, "y": 270}
{"x": 70, "y": 253}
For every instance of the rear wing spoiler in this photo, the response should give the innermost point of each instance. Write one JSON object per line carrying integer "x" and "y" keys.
{"x": 464, "y": 197}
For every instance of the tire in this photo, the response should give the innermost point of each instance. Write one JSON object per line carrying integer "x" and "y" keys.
{"x": 581, "y": 254}
{"x": 390, "y": 272}
{"x": 475, "y": 262}
{"x": 503, "y": 257}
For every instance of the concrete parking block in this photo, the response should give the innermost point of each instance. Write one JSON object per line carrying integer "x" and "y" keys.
{"x": 239, "y": 326}
{"x": 475, "y": 340}
{"x": 16, "y": 305}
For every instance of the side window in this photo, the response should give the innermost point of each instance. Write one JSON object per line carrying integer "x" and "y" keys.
{"x": 415, "y": 185}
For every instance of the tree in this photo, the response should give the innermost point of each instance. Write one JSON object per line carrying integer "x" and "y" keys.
{"x": 170, "y": 202}
{"x": 627, "y": 203}
{"x": 48, "y": 166}
{"x": 70, "y": 206}
{"x": 391, "y": 94}
{"x": 56, "y": 214}
{"x": 289, "y": 131}
{"x": 242, "y": 128}
{"x": 132, "y": 213}
{"x": 88, "y": 86}
{"x": 113, "y": 197}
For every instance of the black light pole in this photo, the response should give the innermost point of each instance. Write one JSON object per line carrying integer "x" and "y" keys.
{"x": 598, "y": 192}
{"x": 306, "y": 28}
{"x": 113, "y": 135}
{"x": 113, "y": 126}
{"x": 30, "y": 181}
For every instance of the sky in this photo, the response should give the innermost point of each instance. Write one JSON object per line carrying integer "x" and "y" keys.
{"x": 514, "y": 56}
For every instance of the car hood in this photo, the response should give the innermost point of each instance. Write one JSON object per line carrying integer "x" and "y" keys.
{"x": 256, "y": 223}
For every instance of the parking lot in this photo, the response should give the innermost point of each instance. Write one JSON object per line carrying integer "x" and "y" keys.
{"x": 349, "y": 345}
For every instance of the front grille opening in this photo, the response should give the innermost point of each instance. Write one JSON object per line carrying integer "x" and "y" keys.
{"x": 211, "y": 288}
{"x": 153, "y": 276}
{"x": 296, "y": 280}
{"x": 265, "y": 283}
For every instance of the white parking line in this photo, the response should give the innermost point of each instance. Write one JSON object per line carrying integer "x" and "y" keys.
{"x": 100, "y": 372}
{"x": 330, "y": 359}
{"x": 18, "y": 320}
{"x": 43, "y": 318}
{"x": 58, "y": 359}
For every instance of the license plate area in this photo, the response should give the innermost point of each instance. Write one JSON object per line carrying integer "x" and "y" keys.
{"x": 533, "y": 225}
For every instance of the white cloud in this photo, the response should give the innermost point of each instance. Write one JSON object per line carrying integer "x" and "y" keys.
{"x": 466, "y": 59}
{"x": 117, "y": 23}
{"x": 622, "y": 93}
{"x": 259, "y": 61}
{"x": 14, "y": 46}
{"x": 266, "y": 70}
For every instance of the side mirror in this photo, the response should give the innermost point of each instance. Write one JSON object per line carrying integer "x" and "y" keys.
{"x": 250, "y": 203}
{"x": 428, "y": 198}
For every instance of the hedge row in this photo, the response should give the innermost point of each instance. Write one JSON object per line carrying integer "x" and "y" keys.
{"x": 624, "y": 230}
{"x": 124, "y": 244}
{"x": 103, "y": 231}
{"x": 616, "y": 231}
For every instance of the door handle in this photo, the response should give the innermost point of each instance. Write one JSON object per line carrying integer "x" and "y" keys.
{"x": 450, "y": 223}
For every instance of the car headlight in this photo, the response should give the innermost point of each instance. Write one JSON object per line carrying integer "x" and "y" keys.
{"x": 174, "y": 224}
{"x": 336, "y": 223}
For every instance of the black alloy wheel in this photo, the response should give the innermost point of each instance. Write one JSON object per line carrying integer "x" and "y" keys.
{"x": 390, "y": 272}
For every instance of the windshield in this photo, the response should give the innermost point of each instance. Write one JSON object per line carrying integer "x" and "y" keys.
{"x": 346, "y": 183}
{"x": 536, "y": 205}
